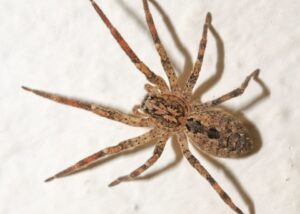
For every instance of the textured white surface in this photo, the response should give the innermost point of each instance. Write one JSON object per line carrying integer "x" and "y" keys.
{"x": 62, "y": 46}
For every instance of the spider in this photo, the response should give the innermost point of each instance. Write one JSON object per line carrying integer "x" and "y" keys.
{"x": 169, "y": 111}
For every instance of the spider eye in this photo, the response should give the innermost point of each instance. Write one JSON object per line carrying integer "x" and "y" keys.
{"x": 213, "y": 133}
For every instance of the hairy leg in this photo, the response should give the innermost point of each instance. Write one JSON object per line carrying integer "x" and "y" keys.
{"x": 121, "y": 147}
{"x": 198, "y": 64}
{"x": 134, "y": 174}
{"x": 97, "y": 109}
{"x": 152, "y": 77}
{"x": 197, "y": 165}
{"x": 165, "y": 61}
{"x": 234, "y": 93}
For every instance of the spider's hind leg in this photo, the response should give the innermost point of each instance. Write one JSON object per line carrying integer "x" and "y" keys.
{"x": 156, "y": 155}
{"x": 200, "y": 168}
{"x": 234, "y": 93}
{"x": 102, "y": 111}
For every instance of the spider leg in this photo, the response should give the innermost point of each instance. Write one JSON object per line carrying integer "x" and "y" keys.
{"x": 121, "y": 147}
{"x": 197, "y": 165}
{"x": 158, "y": 150}
{"x": 234, "y": 93}
{"x": 198, "y": 64}
{"x": 152, "y": 77}
{"x": 97, "y": 109}
{"x": 165, "y": 61}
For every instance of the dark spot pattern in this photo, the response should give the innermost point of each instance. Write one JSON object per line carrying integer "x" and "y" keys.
{"x": 236, "y": 141}
{"x": 195, "y": 126}
{"x": 213, "y": 133}
{"x": 210, "y": 179}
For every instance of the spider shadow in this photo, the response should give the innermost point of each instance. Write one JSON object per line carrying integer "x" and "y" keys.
{"x": 220, "y": 65}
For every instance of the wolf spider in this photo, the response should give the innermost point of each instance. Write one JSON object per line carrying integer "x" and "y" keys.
{"x": 169, "y": 111}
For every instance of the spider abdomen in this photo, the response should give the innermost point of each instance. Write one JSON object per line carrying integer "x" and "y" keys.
{"x": 219, "y": 133}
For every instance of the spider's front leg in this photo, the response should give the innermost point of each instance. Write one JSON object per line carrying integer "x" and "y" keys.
{"x": 200, "y": 168}
{"x": 188, "y": 88}
{"x": 97, "y": 109}
{"x": 121, "y": 147}
{"x": 165, "y": 61}
{"x": 150, "y": 75}
{"x": 158, "y": 150}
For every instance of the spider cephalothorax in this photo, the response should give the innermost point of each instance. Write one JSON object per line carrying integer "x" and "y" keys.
{"x": 169, "y": 111}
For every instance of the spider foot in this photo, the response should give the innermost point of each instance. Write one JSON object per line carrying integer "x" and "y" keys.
{"x": 255, "y": 74}
{"x": 50, "y": 179}
{"x": 119, "y": 180}
{"x": 26, "y": 88}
